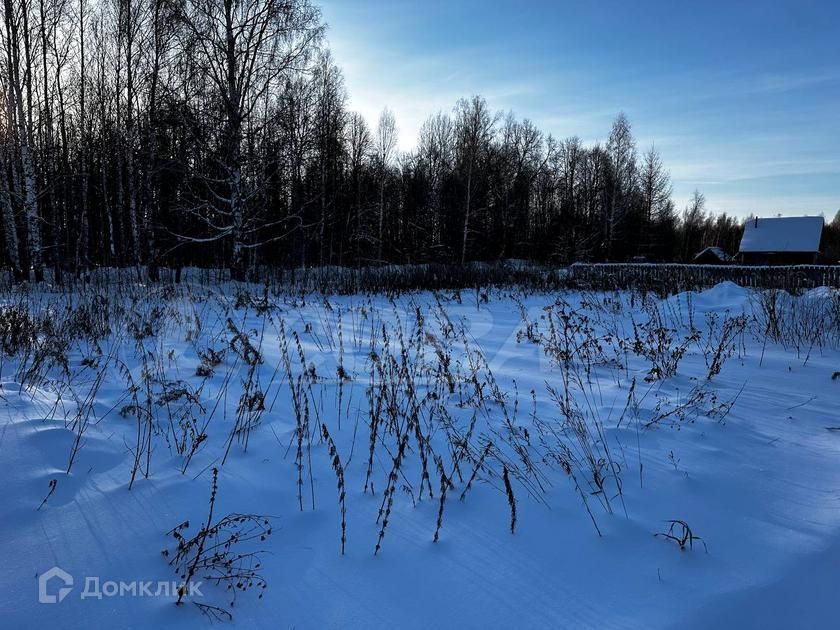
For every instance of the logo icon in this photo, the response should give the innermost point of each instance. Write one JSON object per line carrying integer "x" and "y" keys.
{"x": 45, "y": 578}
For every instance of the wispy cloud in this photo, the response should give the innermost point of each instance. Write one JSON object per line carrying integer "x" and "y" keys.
{"x": 725, "y": 125}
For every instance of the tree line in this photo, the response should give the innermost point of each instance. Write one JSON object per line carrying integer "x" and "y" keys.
{"x": 217, "y": 133}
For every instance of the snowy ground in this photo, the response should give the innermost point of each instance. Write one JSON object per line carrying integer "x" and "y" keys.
{"x": 463, "y": 382}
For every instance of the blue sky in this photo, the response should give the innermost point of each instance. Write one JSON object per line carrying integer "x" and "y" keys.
{"x": 741, "y": 98}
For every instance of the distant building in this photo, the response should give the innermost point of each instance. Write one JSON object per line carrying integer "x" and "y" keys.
{"x": 781, "y": 241}
{"x": 713, "y": 256}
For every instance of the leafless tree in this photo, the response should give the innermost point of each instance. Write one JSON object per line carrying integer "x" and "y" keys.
{"x": 386, "y": 145}
{"x": 241, "y": 50}
{"x": 474, "y": 130}
{"x": 622, "y": 150}
{"x": 437, "y": 151}
{"x": 20, "y": 64}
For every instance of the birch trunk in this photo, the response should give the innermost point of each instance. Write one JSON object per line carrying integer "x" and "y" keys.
{"x": 467, "y": 215}
{"x": 30, "y": 204}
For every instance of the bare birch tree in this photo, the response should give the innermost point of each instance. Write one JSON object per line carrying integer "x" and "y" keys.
{"x": 474, "y": 129}
{"x": 241, "y": 50}
{"x": 386, "y": 144}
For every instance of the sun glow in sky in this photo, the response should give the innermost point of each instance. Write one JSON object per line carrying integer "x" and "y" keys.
{"x": 741, "y": 98}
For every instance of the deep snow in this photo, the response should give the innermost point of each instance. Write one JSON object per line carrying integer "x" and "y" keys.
{"x": 760, "y": 486}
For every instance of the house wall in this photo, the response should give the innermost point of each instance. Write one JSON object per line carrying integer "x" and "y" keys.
{"x": 709, "y": 258}
{"x": 781, "y": 258}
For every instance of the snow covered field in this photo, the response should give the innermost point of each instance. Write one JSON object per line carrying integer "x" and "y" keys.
{"x": 545, "y": 441}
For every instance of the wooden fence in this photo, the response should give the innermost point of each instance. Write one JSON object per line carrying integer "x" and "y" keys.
{"x": 669, "y": 278}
